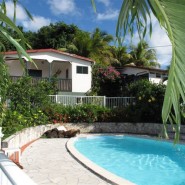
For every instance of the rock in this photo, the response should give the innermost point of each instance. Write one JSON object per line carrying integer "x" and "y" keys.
{"x": 72, "y": 133}
{"x": 52, "y": 133}
{"x": 55, "y": 133}
{"x": 61, "y": 134}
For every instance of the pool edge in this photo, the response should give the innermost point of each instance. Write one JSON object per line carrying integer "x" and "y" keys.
{"x": 94, "y": 168}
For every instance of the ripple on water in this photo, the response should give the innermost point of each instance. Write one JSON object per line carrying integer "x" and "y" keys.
{"x": 142, "y": 161}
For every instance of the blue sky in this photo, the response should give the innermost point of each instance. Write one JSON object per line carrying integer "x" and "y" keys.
{"x": 80, "y": 13}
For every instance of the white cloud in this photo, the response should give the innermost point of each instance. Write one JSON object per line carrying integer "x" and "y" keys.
{"x": 62, "y": 7}
{"x": 105, "y": 2}
{"x": 37, "y": 23}
{"x": 20, "y": 13}
{"x": 160, "y": 38}
{"x": 22, "y": 18}
{"x": 108, "y": 15}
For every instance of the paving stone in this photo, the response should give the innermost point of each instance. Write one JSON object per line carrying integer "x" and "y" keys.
{"x": 47, "y": 162}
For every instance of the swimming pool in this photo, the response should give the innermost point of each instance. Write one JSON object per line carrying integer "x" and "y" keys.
{"x": 141, "y": 161}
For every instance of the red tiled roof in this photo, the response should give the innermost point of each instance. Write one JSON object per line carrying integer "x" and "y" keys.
{"x": 147, "y": 68}
{"x": 54, "y": 51}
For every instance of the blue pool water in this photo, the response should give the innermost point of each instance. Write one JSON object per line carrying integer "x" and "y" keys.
{"x": 141, "y": 161}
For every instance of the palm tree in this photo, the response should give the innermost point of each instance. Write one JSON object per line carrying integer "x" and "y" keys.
{"x": 100, "y": 47}
{"x": 120, "y": 56}
{"x": 136, "y": 14}
{"x": 170, "y": 15}
{"x": 95, "y": 46}
{"x": 143, "y": 56}
{"x": 81, "y": 44}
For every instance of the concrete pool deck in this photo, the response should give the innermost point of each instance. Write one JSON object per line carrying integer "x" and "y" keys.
{"x": 47, "y": 162}
{"x": 104, "y": 174}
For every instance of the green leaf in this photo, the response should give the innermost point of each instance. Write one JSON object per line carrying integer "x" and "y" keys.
{"x": 8, "y": 22}
{"x": 170, "y": 14}
{"x": 20, "y": 50}
{"x": 93, "y": 4}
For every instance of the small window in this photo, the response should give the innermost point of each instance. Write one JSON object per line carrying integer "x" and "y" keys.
{"x": 35, "y": 73}
{"x": 158, "y": 75}
{"x": 82, "y": 70}
{"x": 67, "y": 73}
{"x": 152, "y": 75}
{"x": 164, "y": 75}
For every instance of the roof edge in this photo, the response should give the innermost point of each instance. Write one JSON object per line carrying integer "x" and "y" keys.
{"x": 147, "y": 68}
{"x": 54, "y": 51}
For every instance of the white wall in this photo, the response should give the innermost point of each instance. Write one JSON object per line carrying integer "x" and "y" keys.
{"x": 156, "y": 80}
{"x": 41, "y": 65}
{"x": 55, "y": 66}
{"x": 81, "y": 82}
{"x": 15, "y": 68}
{"x": 62, "y": 66}
{"x": 152, "y": 75}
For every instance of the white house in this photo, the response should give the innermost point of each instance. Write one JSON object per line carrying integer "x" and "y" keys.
{"x": 154, "y": 75}
{"x": 73, "y": 72}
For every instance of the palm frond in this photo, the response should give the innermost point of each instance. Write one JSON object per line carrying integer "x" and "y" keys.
{"x": 133, "y": 14}
{"x": 93, "y": 4}
{"x": 173, "y": 12}
{"x": 170, "y": 14}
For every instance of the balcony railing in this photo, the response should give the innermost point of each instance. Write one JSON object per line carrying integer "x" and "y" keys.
{"x": 62, "y": 84}
{"x": 110, "y": 102}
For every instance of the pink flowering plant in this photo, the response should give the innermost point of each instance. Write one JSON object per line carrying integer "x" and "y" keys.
{"x": 106, "y": 81}
{"x": 109, "y": 73}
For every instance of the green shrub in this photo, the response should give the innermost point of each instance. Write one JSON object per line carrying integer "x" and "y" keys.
{"x": 25, "y": 96}
{"x": 76, "y": 114}
{"x": 103, "y": 79}
{"x": 15, "y": 121}
{"x": 26, "y": 101}
{"x": 149, "y": 101}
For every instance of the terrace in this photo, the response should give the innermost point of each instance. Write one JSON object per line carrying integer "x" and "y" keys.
{"x": 61, "y": 84}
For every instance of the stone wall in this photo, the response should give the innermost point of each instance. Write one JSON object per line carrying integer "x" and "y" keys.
{"x": 26, "y": 135}
{"x": 29, "y": 134}
{"x": 130, "y": 128}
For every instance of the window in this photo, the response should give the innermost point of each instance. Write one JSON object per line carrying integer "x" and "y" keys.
{"x": 67, "y": 73}
{"x": 164, "y": 75}
{"x": 152, "y": 75}
{"x": 82, "y": 70}
{"x": 35, "y": 73}
{"x": 158, "y": 75}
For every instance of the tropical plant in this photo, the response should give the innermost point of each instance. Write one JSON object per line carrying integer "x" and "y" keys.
{"x": 103, "y": 78}
{"x": 141, "y": 55}
{"x": 25, "y": 96}
{"x": 57, "y": 35}
{"x": 136, "y": 14}
{"x": 99, "y": 47}
{"x": 4, "y": 82}
{"x": 120, "y": 56}
{"x": 81, "y": 44}
{"x": 6, "y": 22}
{"x": 95, "y": 46}
{"x": 86, "y": 113}
{"x": 149, "y": 99}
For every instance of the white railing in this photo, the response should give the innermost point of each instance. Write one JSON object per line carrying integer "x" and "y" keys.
{"x": 11, "y": 174}
{"x": 115, "y": 102}
{"x": 110, "y": 102}
{"x": 78, "y": 100}
{"x": 4, "y": 180}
